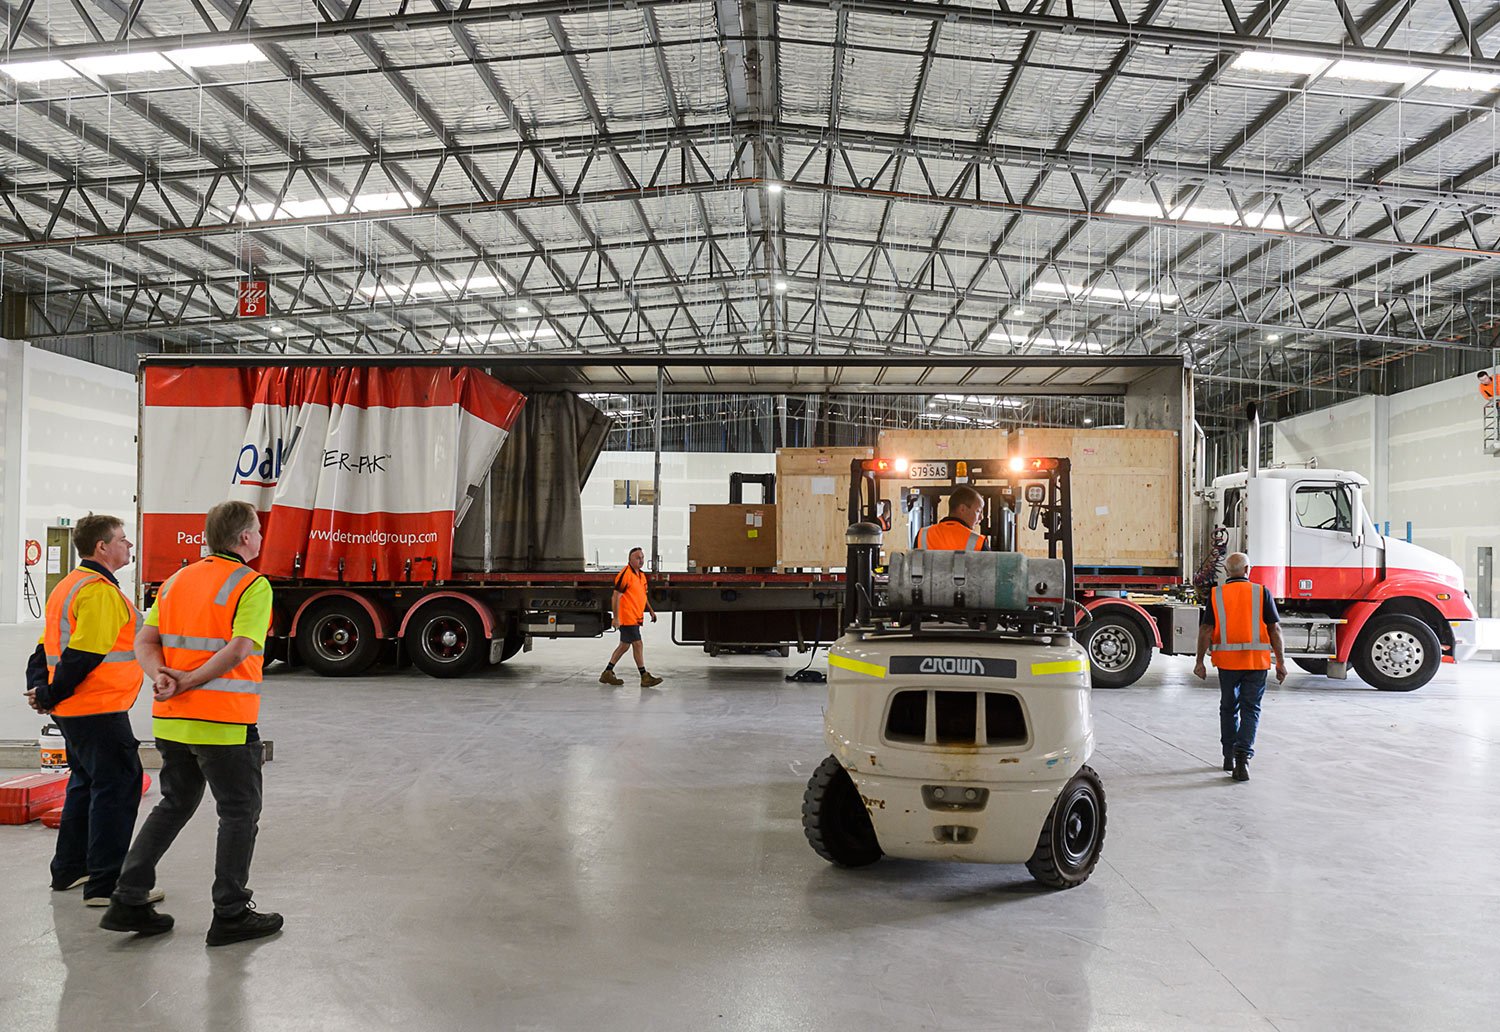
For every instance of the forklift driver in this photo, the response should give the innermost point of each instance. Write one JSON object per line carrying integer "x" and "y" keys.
{"x": 958, "y": 531}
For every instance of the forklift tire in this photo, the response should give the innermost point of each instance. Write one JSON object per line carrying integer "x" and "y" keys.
{"x": 1397, "y": 653}
{"x": 1318, "y": 667}
{"x": 446, "y": 639}
{"x": 337, "y": 639}
{"x": 835, "y": 820}
{"x": 1119, "y": 649}
{"x": 1073, "y": 835}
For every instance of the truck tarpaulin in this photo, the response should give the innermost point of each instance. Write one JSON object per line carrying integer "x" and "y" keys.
{"x": 354, "y": 470}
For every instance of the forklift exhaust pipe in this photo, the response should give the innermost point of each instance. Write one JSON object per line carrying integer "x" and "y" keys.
{"x": 1252, "y": 411}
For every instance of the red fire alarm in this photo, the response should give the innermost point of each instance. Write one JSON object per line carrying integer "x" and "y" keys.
{"x": 254, "y": 299}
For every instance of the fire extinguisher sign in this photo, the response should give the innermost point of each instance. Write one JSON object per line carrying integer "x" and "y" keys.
{"x": 254, "y": 299}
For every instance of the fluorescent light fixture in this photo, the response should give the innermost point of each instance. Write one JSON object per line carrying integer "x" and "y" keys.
{"x": 37, "y": 71}
{"x": 428, "y": 288}
{"x": 269, "y": 211}
{"x": 1109, "y": 295}
{"x": 1196, "y": 213}
{"x": 1272, "y": 63}
{"x": 1378, "y": 71}
{"x": 499, "y": 336}
{"x": 981, "y": 399}
{"x": 1452, "y": 79}
{"x": 122, "y": 64}
{"x": 210, "y": 57}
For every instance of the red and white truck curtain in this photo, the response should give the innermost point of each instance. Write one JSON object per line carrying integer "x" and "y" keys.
{"x": 360, "y": 473}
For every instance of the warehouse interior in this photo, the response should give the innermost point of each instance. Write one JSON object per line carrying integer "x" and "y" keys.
{"x": 1210, "y": 263}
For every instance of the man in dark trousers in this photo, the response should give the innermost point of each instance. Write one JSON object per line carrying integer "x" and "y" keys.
{"x": 85, "y": 676}
{"x": 1242, "y": 627}
{"x": 629, "y": 608}
{"x": 202, "y": 647}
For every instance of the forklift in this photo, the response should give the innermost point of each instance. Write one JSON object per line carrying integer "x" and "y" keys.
{"x": 959, "y": 721}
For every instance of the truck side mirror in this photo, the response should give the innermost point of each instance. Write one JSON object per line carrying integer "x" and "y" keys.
{"x": 1356, "y": 514}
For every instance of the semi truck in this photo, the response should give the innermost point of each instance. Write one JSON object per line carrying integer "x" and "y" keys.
{"x": 376, "y": 476}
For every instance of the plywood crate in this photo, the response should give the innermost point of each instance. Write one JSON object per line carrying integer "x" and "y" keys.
{"x": 812, "y": 505}
{"x": 1126, "y": 508}
{"x": 731, "y": 535}
{"x": 946, "y": 444}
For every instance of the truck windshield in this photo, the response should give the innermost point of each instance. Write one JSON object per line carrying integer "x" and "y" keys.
{"x": 1324, "y": 507}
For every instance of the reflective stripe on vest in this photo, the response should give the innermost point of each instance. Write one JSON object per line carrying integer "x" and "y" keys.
{"x": 950, "y": 536}
{"x": 1230, "y": 608}
{"x": 195, "y": 613}
{"x": 112, "y": 686}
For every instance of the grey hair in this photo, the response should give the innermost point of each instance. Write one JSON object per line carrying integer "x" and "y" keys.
{"x": 1237, "y": 564}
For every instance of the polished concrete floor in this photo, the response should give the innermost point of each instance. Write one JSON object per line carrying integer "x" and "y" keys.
{"x": 529, "y": 850}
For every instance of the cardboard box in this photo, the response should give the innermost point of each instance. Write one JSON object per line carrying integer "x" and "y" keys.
{"x": 732, "y": 535}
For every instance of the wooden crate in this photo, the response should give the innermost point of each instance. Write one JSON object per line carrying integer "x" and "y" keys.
{"x": 1125, "y": 494}
{"x": 914, "y": 445}
{"x": 732, "y": 535}
{"x": 812, "y": 505}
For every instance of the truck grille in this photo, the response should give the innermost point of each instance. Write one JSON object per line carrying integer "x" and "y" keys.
{"x": 955, "y": 718}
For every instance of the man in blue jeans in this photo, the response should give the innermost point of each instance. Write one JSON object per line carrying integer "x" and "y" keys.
{"x": 1240, "y": 624}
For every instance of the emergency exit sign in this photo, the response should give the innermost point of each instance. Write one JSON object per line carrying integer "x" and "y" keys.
{"x": 254, "y": 299}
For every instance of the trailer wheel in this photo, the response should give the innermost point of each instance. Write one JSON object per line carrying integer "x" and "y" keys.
{"x": 336, "y": 638}
{"x": 1313, "y": 666}
{"x": 1397, "y": 653}
{"x": 446, "y": 639}
{"x": 835, "y": 820}
{"x": 1073, "y": 835}
{"x": 1119, "y": 650}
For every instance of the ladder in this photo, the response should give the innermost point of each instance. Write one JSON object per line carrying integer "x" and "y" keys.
{"x": 1492, "y": 409}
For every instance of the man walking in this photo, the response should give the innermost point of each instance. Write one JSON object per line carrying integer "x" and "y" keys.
{"x": 1243, "y": 628}
{"x": 629, "y": 606}
{"x": 956, "y": 532}
{"x": 85, "y": 675}
{"x": 202, "y": 647}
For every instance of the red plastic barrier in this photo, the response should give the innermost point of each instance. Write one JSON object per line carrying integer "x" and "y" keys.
{"x": 49, "y": 812}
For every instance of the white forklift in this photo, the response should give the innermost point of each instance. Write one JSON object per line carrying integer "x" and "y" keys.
{"x": 959, "y": 716}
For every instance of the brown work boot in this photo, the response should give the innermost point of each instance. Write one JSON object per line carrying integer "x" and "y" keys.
{"x": 649, "y": 680}
{"x": 609, "y": 677}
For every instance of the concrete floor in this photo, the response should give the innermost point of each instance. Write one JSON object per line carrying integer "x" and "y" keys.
{"x": 528, "y": 850}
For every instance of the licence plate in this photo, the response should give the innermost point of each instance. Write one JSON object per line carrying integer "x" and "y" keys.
{"x": 927, "y": 471}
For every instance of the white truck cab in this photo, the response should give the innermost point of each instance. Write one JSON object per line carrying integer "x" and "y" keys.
{"x": 1349, "y": 596}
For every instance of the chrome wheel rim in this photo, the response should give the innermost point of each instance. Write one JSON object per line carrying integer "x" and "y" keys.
{"x": 1398, "y": 654}
{"x": 1112, "y": 648}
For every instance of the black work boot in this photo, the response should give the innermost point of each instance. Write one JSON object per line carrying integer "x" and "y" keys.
{"x": 1228, "y": 762}
{"x": 143, "y": 920}
{"x": 247, "y": 924}
{"x": 1241, "y": 767}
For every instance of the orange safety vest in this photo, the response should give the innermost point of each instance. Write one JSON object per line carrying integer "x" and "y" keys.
{"x": 113, "y": 685}
{"x": 195, "y": 616}
{"x": 950, "y": 535}
{"x": 1487, "y": 389}
{"x": 1241, "y": 638}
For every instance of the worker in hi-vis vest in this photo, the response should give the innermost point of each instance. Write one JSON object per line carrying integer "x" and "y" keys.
{"x": 958, "y": 531}
{"x": 1241, "y": 626}
{"x": 203, "y": 646}
{"x": 85, "y": 676}
{"x": 1486, "y": 385}
{"x": 629, "y": 605}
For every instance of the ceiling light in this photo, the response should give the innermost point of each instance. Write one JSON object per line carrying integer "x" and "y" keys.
{"x": 1214, "y": 216}
{"x": 1452, "y": 79}
{"x": 424, "y": 288}
{"x": 209, "y": 57}
{"x": 499, "y": 336}
{"x": 268, "y": 211}
{"x": 781, "y": 286}
{"x": 1088, "y": 420}
{"x": 1273, "y": 337}
{"x": 276, "y": 327}
{"x": 122, "y": 64}
{"x": 774, "y": 188}
{"x": 1378, "y": 71}
{"x": 1019, "y": 311}
{"x": 1277, "y": 64}
{"x": 37, "y": 71}
{"x": 522, "y": 310}
{"x": 1110, "y": 295}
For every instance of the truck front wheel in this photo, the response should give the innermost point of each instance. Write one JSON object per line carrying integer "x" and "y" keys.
{"x": 835, "y": 820}
{"x": 1397, "y": 653}
{"x": 1119, "y": 650}
{"x": 446, "y": 639}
